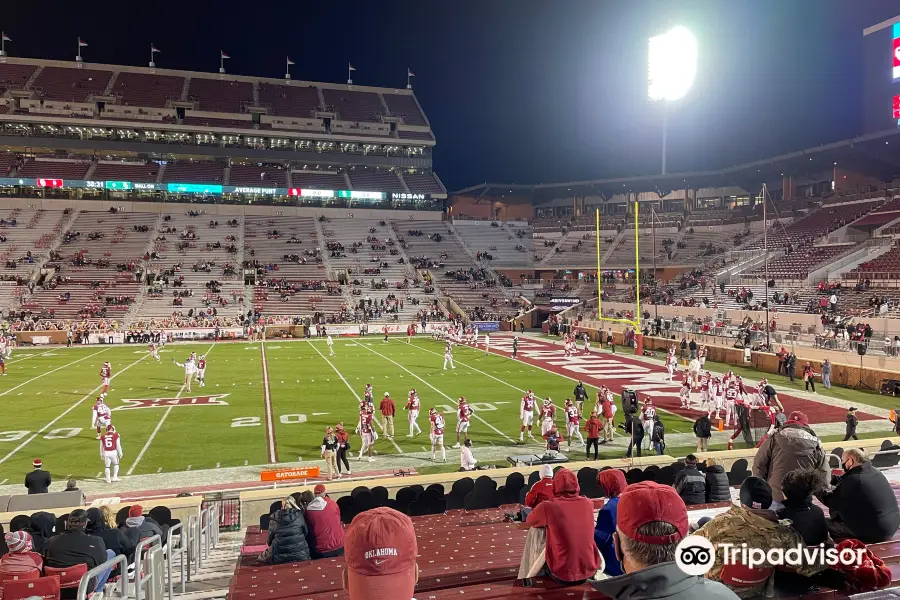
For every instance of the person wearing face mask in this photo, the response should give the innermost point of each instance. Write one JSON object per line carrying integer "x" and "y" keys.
{"x": 861, "y": 502}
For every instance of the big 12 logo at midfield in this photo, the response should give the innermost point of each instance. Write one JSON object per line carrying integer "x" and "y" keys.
{"x": 214, "y": 400}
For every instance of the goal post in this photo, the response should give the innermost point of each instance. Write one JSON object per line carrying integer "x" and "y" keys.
{"x": 636, "y": 321}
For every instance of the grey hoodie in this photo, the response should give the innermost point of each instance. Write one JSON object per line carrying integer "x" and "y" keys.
{"x": 795, "y": 446}
{"x": 664, "y": 580}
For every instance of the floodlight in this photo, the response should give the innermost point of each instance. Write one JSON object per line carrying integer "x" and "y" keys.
{"x": 672, "y": 64}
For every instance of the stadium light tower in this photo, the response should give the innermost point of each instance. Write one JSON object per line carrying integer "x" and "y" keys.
{"x": 672, "y": 68}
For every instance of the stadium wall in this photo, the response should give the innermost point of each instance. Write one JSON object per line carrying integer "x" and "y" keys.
{"x": 510, "y": 208}
{"x": 846, "y": 180}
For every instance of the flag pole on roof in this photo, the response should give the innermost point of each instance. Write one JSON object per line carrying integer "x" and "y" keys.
{"x": 81, "y": 44}
{"x": 287, "y": 68}
{"x": 409, "y": 76}
{"x": 350, "y": 69}
{"x": 3, "y": 39}
{"x": 222, "y": 57}
{"x": 153, "y": 50}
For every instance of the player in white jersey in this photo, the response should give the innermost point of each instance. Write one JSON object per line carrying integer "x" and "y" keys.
{"x": 671, "y": 362}
{"x": 101, "y": 416}
{"x": 437, "y": 433}
{"x": 731, "y": 396}
{"x": 487, "y": 344}
{"x": 448, "y": 356}
{"x": 201, "y": 370}
{"x": 412, "y": 408}
{"x": 111, "y": 452}
{"x": 693, "y": 371}
{"x": 717, "y": 395}
{"x": 330, "y": 343}
{"x": 648, "y": 414}
{"x": 548, "y": 416}
{"x": 464, "y": 413}
{"x": 154, "y": 352}
{"x": 573, "y": 424}
{"x": 705, "y": 380}
{"x": 701, "y": 356}
{"x": 526, "y": 413}
{"x": 685, "y": 393}
{"x": 587, "y": 343}
{"x": 190, "y": 367}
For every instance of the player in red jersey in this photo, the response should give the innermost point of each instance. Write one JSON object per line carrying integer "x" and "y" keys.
{"x": 201, "y": 370}
{"x": 385, "y": 330}
{"x": 365, "y": 428}
{"x": 111, "y": 452}
{"x": 463, "y": 413}
{"x": 573, "y": 424}
{"x": 526, "y": 413}
{"x": 410, "y": 332}
{"x": 105, "y": 375}
{"x": 101, "y": 416}
{"x": 2, "y": 364}
{"x": 368, "y": 394}
{"x": 154, "y": 352}
{"x": 412, "y": 407}
{"x": 437, "y": 433}
{"x": 548, "y": 416}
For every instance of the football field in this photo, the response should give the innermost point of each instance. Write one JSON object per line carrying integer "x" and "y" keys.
{"x": 269, "y": 403}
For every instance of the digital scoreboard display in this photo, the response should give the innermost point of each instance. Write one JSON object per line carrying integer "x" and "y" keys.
{"x": 881, "y": 76}
{"x": 895, "y": 51}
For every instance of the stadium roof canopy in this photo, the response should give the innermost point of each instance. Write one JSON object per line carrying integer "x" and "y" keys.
{"x": 876, "y": 155}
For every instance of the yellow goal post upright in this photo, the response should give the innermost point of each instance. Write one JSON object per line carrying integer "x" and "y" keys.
{"x": 636, "y": 321}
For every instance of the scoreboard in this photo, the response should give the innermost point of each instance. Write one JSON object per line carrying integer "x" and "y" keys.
{"x": 881, "y": 76}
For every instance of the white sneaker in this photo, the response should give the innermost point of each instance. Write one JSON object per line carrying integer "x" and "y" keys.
{"x": 371, "y": 459}
{"x": 408, "y": 435}
{"x": 115, "y": 479}
{"x": 454, "y": 445}
{"x": 108, "y": 482}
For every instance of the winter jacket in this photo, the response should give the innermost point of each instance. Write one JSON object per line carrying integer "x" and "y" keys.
{"x": 852, "y": 422}
{"x": 113, "y": 538}
{"x": 758, "y": 529}
{"x": 807, "y": 518}
{"x": 795, "y": 446}
{"x": 540, "y": 491}
{"x": 703, "y": 427}
{"x": 141, "y": 528}
{"x": 593, "y": 427}
{"x": 38, "y": 481}
{"x": 664, "y": 581}
{"x": 571, "y": 554}
{"x": 324, "y": 520}
{"x": 75, "y": 547}
{"x": 288, "y": 539}
{"x": 41, "y": 529}
{"x": 21, "y": 565}
{"x": 717, "y": 488}
{"x": 865, "y": 502}
{"x": 613, "y": 483}
{"x": 691, "y": 485}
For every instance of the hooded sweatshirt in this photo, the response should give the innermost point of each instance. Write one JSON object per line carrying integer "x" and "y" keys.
{"x": 795, "y": 446}
{"x": 113, "y": 539}
{"x": 664, "y": 580}
{"x": 324, "y": 520}
{"x": 141, "y": 528}
{"x": 571, "y": 555}
{"x": 613, "y": 482}
{"x": 41, "y": 529}
{"x": 542, "y": 488}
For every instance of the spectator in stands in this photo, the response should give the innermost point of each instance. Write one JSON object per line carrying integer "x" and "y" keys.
{"x": 562, "y": 535}
{"x": 40, "y": 526}
{"x": 19, "y": 523}
{"x": 613, "y": 483}
{"x": 467, "y": 460}
{"x": 808, "y": 519}
{"x": 72, "y": 486}
{"x": 324, "y": 520}
{"x": 101, "y": 524}
{"x": 138, "y": 527}
{"x": 794, "y": 446}
{"x": 287, "y": 538}
{"x": 651, "y": 519}
{"x": 20, "y": 560}
{"x": 380, "y": 556}
{"x": 717, "y": 488}
{"x": 690, "y": 482}
{"x": 541, "y": 490}
{"x": 39, "y": 480}
{"x": 861, "y": 503}
{"x": 75, "y": 547}
{"x": 703, "y": 431}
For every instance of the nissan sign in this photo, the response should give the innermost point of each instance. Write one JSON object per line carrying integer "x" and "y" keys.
{"x": 404, "y": 196}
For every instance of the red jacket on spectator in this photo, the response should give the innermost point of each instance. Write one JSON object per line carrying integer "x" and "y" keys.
{"x": 324, "y": 520}
{"x": 569, "y": 519}
{"x": 542, "y": 488}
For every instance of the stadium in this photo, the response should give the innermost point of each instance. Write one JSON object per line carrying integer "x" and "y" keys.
{"x": 225, "y": 269}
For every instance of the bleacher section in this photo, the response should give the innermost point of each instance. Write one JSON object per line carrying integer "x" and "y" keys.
{"x": 220, "y": 95}
{"x": 14, "y": 77}
{"x": 70, "y": 85}
{"x": 142, "y": 89}
{"x": 362, "y": 178}
{"x": 406, "y": 108}
{"x": 806, "y": 231}
{"x": 501, "y": 242}
{"x": 886, "y": 266}
{"x": 318, "y": 181}
{"x": 882, "y": 215}
{"x": 126, "y": 171}
{"x": 258, "y": 176}
{"x": 54, "y": 168}
{"x": 798, "y": 264}
{"x": 199, "y": 171}
{"x": 423, "y": 183}
{"x": 289, "y": 100}
{"x": 354, "y": 106}
{"x": 706, "y": 242}
{"x": 34, "y": 232}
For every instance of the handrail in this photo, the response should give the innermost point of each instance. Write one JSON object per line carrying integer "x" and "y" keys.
{"x": 143, "y": 575}
{"x": 118, "y": 560}
{"x": 179, "y": 551}
{"x": 193, "y": 544}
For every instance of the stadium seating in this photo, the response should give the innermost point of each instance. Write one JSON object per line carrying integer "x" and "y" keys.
{"x": 14, "y": 77}
{"x": 809, "y": 229}
{"x": 375, "y": 180}
{"x": 217, "y": 122}
{"x": 886, "y": 266}
{"x": 220, "y": 95}
{"x": 289, "y": 100}
{"x": 143, "y": 89}
{"x": 501, "y": 242}
{"x": 8, "y": 162}
{"x": 258, "y": 175}
{"x": 70, "y": 85}
{"x": 199, "y": 171}
{"x": 415, "y": 135}
{"x": 798, "y": 264}
{"x": 126, "y": 171}
{"x": 54, "y": 168}
{"x": 353, "y": 105}
{"x": 405, "y": 107}
{"x": 35, "y": 231}
{"x": 423, "y": 183}
{"x": 319, "y": 181}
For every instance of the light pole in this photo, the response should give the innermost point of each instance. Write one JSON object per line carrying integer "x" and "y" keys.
{"x": 671, "y": 70}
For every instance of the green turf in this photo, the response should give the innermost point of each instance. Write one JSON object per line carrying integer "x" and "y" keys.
{"x": 48, "y": 396}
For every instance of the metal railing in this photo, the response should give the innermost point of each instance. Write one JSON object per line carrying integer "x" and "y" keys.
{"x": 144, "y": 572}
{"x": 177, "y": 551}
{"x": 117, "y": 561}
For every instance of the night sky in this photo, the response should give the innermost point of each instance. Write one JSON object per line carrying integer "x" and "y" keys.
{"x": 519, "y": 91}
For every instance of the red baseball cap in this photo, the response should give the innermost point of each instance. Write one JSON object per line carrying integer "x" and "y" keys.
{"x": 319, "y": 490}
{"x": 646, "y": 502}
{"x": 798, "y": 417}
{"x": 380, "y": 551}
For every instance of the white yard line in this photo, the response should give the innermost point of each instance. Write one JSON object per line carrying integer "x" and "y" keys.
{"x": 270, "y": 422}
{"x": 12, "y": 362}
{"x": 352, "y": 391}
{"x": 497, "y": 431}
{"x": 159, "y": 425}
{"x": 53, "y": 371}
{"x": 30, "y": 439}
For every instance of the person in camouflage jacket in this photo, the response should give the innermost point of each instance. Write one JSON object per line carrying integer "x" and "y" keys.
{"x": 754, "y": 524}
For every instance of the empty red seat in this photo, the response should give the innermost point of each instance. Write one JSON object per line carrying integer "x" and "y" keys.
{"x": 46, "y": 588}
{"x": 69, "y": 577}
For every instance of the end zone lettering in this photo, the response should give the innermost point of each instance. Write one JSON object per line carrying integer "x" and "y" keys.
{"x": 131, "y": 404}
